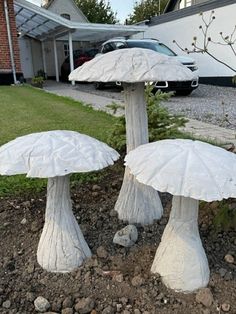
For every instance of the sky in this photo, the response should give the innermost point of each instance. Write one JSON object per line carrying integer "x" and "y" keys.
{"x": 122, "y": 7}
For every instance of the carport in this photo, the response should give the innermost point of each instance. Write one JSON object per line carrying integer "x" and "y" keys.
{"x": 41, "y": 24}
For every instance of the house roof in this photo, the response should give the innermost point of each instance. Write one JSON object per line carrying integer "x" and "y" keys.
{"x": 188, "y": 11}
{"x": 49, "y": 3}
{"x": 42, "y": 24}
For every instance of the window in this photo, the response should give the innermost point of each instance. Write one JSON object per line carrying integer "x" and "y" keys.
{"x": 120, "y": 45}
{"x": 66, "y": 16}
{"x": 108, "y": 47}
{"x": 185, "y": 3}
{"x": 66, "y": 50}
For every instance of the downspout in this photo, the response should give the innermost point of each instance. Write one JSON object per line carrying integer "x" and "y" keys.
{"x": 10, "y": 41}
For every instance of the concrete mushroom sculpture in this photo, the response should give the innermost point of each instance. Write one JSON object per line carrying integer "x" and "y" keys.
{"x": 191, "y": 171}
{"x": 54, "y": 155}
{"x": 133, "y": 67}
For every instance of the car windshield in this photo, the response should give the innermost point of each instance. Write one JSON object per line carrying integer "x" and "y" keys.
{"x": 159, "y": 47}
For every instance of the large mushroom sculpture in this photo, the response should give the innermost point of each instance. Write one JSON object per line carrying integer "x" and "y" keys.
{"x": 54, "y": 155}
{"x": 190, "y": 171}
{"x": 133, "y": 67}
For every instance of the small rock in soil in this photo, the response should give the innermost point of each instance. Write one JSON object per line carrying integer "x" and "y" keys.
{"x": 228, "y": 276}
{"x": 113, "y": 213}
{"x": 119, "y": 307}
{"x": 205, "y": 297}
{"x": 225, "y": 307}
{"x": 108, "y": 310}
{"x": 222, "y": 272}
{"x": 127, "y": 236}
{"x": 84, "y": 305}
{"x": 23, "y": 221}
{"x": 137, "y": 281}
{"x": 56, "y": 306}
{"x": 96, "y": 187}
{"x": 35, "y": 226}
{"x": 118, "y": 277}
{"x": 68, "y": 302}
{"x": 229, "y": 258}
{"x": 67, "y": 310}
{"x": 101, "y": 252}
{"x": 6, "y": 304}
{"x": 41, "y": 304}
{"x": 29, "y": 296}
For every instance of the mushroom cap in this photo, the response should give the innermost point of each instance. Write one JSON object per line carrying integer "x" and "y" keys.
{"x": 185, "y": 168}
{"x": 54, "y": 153}
{"x": 132, "y": 65}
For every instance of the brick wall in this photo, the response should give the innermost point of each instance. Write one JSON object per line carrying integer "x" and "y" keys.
{"x": 5, "y": 60}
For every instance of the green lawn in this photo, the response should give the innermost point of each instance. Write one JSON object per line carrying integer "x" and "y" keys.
{"x": 25, "y": 110}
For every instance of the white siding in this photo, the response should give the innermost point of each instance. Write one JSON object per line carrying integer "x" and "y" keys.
{"x": 37, "y": 53}
{"x": 67, "y": 7}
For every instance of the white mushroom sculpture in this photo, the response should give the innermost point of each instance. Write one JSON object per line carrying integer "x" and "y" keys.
{"x": 133, "y": 67}
{"x": 54, "y": 155}
{"x": 191, "y": 171}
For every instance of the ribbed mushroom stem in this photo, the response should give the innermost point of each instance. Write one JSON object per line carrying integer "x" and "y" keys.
{"x": 180, "y": 258}
{"x": 62, "y": 246}
{"x": 137, "y": 203}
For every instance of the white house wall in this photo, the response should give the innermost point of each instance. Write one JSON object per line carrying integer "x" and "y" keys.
{"x": 26, "y": 57}
{"x": 183, "y": 30}
{"x": 67, "y": 7}
{"x": 37, "y": 53}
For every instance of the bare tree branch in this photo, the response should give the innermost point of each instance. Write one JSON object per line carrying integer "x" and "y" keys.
{"x": 227, "y": 41}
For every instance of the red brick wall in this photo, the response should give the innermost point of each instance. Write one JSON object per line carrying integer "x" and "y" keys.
{"x": 5, "y": 61}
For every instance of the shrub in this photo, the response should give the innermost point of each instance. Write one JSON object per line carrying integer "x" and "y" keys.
{"x": 37, "y": 81}
{"x": 161, "y": 124}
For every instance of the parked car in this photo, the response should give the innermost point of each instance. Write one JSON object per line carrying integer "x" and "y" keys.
{"x": 80, "y": 57}
{"x": 180, "y": 87}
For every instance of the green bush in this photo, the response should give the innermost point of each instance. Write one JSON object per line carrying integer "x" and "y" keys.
{"x": 161, "y": 124}
{"x": 37, "y": 81}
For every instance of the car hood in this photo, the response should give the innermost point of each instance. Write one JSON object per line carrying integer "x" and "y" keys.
{"x": 184, "y": 59}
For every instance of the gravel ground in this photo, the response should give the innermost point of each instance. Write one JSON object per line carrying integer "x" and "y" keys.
{"x": 116, "y": 280}
{"x": 208, "y": 103}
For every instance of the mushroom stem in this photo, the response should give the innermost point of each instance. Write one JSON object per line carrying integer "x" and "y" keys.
{"x": 180, "y": 258}
{"x": 136, "y": 203}
{"x": 62, "y": 246}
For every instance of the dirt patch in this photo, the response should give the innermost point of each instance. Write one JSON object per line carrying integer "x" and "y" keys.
{"x": 117, "y": 281}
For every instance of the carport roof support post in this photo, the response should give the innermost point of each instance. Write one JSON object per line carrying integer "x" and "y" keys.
{"x": 71, "y": 54}
{"x": 56, "y": 59}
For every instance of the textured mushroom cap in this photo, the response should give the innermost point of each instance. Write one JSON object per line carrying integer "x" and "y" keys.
{"x": 132, "y": 65}
{"x": 185, "y": 168}
{"x": 54, "y": 153}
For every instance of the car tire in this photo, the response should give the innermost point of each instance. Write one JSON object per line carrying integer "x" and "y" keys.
{"x": 64, "y": 76}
